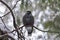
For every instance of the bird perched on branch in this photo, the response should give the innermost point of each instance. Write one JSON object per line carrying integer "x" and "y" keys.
{"x": 28, "y": 21}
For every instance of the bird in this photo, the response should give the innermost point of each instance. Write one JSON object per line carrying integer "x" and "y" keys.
{"x": 28, "y": 21}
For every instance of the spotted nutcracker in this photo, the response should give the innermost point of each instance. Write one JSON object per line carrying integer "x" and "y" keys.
{"x": 28, "y": 21}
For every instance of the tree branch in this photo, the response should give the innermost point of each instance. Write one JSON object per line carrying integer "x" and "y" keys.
{"x": 46, "y": 31}
{"x": 4, "y": 24}
{"x": 1, "y": 36}
{"x": 6, "y": 35}
{"x": 12, "y": 9}
{"x": 14, "y": 23}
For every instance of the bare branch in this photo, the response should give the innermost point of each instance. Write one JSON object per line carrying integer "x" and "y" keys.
{"x": 12, "y": 9}
{"x": 46, "y": 31}
{"x": 4, "y": 24}
{"x": 15, "y": 29}
{"x": 12, "y": 32}
{"x": 6, "y": 35}
{"x": 14, "y": 23}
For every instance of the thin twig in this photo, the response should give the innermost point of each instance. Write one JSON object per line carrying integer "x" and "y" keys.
{"x": 4, "y": 24}
{"x": 46, "y": 31}
{"x": 17, "y": 29}
{"x": 12, "y": 9}
{"x": 6, "y": 35}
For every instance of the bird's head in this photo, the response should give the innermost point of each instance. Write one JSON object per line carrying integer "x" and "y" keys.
{"x": 28, "y": 12}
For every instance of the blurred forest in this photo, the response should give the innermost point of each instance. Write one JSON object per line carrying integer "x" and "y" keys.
{"x": 46, "y": 14}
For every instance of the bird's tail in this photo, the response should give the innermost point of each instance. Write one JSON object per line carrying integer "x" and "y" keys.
{"x": 30, "y": 30}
